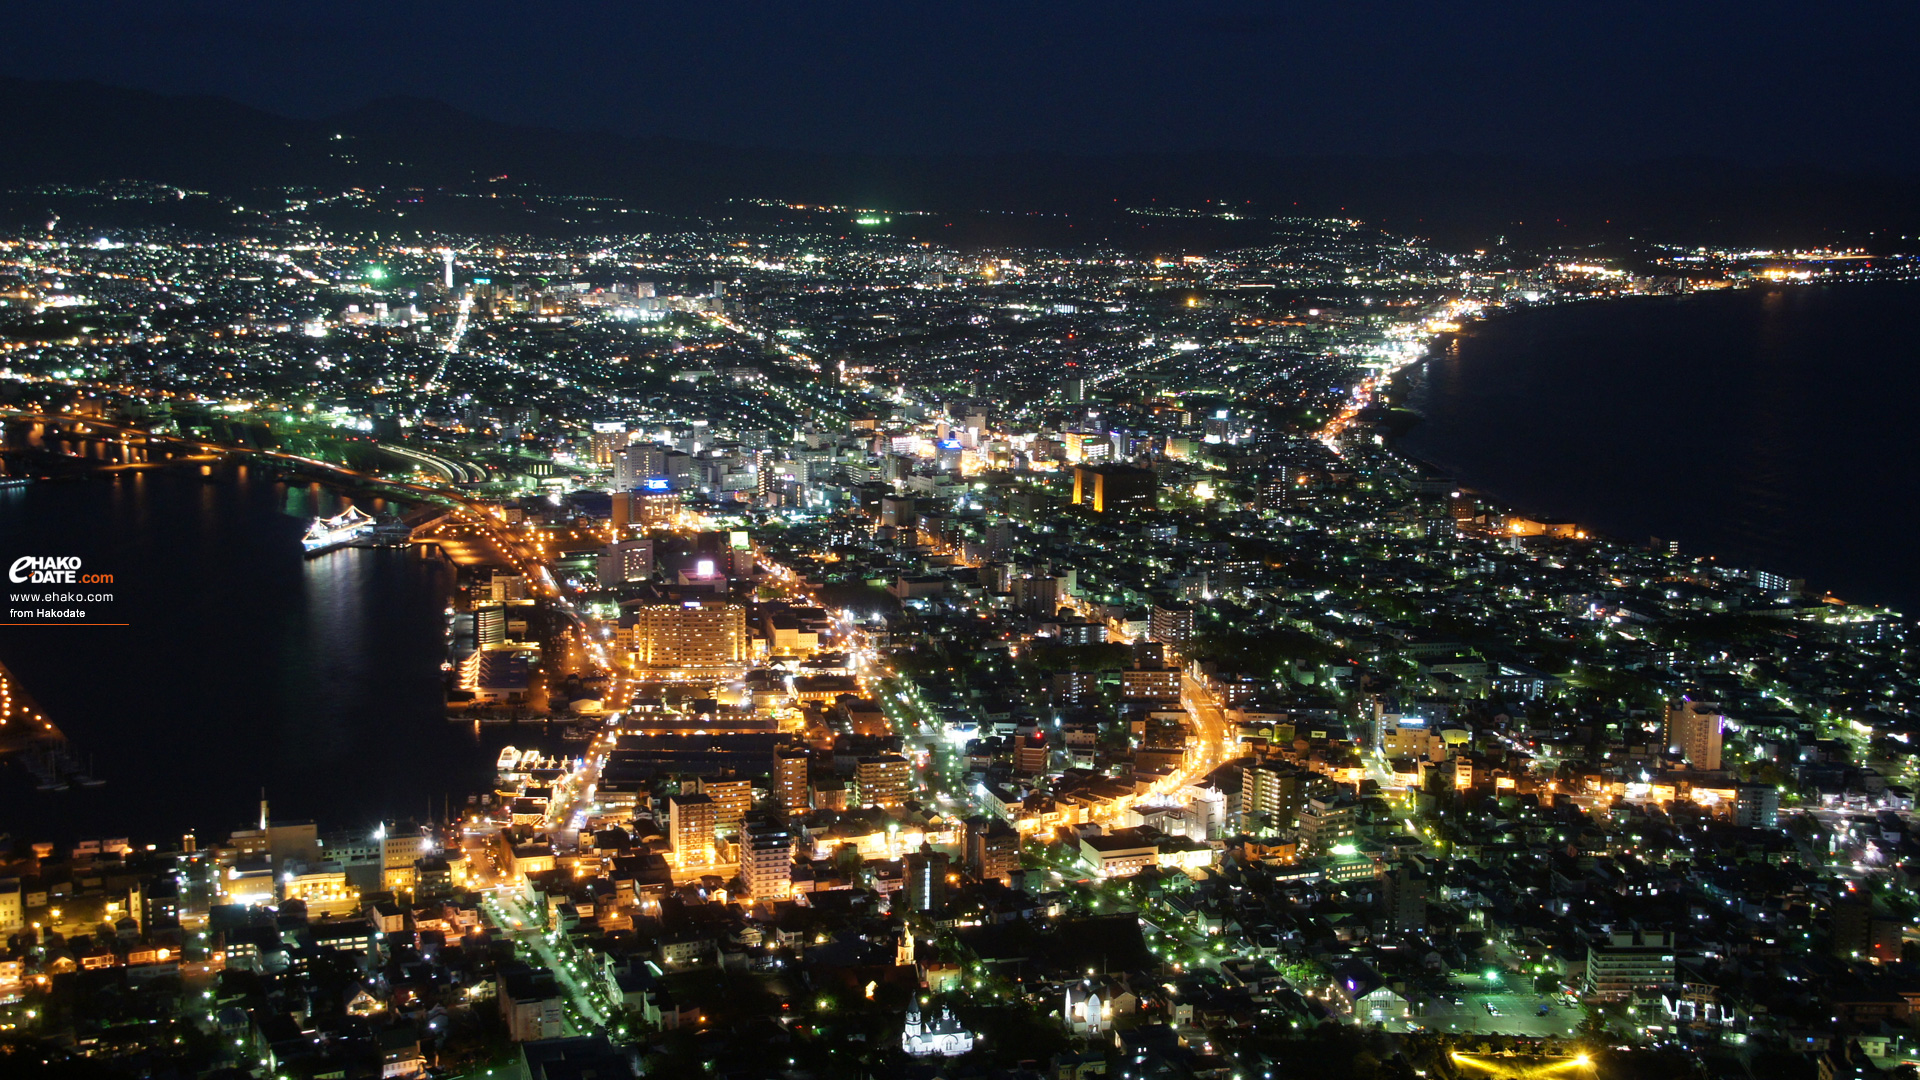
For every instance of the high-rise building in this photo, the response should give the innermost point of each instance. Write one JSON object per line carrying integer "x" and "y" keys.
{"x": 626, "y": 560}
{"x": 926, "y": 879}
{"x": 731, "y": 800}
{"x": 1693, "y": 730}
{"x": 993, "y": 849}
{"x": 1031, "y": 754}
{"x": 1326, "y": 824}
{"x": 690, "y": 827}
{"x": 790, "y": 764}
{"x": 689, "y": 635}
{"x": 626, "y": 467}
{"x": 766, "y": 860}
{"x": 1272, "y": 793}
{"x": 1115, "y": 489}
{"x": 1858, "y": 932}
{"x": 605, "y": 439}
{"x": 1404, "y": 894}
{"x": 1757, "y": 806}
{"x": 1171, "y": 623}
{"x": 882, "y": 780}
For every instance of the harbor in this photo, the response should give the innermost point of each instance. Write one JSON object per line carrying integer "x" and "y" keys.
{"x": 352, "y": 527}
{"x": 28, "y": 737}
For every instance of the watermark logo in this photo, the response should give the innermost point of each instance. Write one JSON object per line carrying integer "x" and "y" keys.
{"x": 29, "y": 608}
{"x": 51, "y": 570}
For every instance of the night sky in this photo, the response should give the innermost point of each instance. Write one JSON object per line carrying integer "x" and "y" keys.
{"x": 1758, "y": 81}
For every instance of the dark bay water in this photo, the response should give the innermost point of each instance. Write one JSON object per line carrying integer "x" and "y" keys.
{"x": 1771, "y": 427}
{"x": 246, "y": 664}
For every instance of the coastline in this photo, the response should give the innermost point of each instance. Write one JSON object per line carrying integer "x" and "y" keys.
{"x": 1417, "y": 388}
{"x": 239, "y": 644}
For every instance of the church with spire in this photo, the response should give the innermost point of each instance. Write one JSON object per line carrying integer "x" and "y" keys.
{"x": 944, "y": 1037}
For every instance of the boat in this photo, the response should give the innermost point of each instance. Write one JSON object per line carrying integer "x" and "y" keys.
{"x": 345, "y": 529}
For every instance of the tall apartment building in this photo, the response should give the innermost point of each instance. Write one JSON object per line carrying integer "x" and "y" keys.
{"x": 1693, "y": 728}
{"x": 732, "y": 799}
{"x": 927, "y": 879}
{"x": 790, "y": 765}
{"x": 993, "y": 849}
{"x": 689, "y": 635}
{"x": 1404, "y": 895}
{"x": 1171, "y": 623}
{"x": 690, "y": 828}
{"x": 766, "y": 860}
{"x": 1272, "y": 794}
{"x": 882, "y": 780}
{"x": 1150, "y": 684}
{"x": 1031, "y": 754}
{"x": 1327, "y": 823}
{"x": 1757, "y": 806}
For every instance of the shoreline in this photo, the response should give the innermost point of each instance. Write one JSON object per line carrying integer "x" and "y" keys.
{"x": 270, "y": 532}
{"x": 1405, "y": 381}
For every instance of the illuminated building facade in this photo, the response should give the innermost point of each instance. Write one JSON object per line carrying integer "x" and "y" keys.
{"x": 790, "y": 765}
{"x": 1115, "y": 489}
{"x": 766, "y": 860}
{"x": 690, "y": 635}
{"x": 1694, "y": 729}
{"x": 731, "y": 800}
{"x": 690, "y": 826}
{"x": 1272, "y": 793}
{"x": 1624, "y": 962}
{"x": 882, "y": 780}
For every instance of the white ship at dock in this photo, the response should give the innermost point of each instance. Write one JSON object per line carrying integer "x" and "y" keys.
{"x": 352, "y": 527}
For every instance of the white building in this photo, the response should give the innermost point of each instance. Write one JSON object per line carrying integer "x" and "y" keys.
{"x": 941, "y": 1038}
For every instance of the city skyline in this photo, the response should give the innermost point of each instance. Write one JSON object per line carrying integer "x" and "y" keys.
{"x": 981, "y": 584}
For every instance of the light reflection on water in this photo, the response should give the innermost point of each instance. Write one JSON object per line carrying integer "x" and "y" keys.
{"x": 247, "y": 665}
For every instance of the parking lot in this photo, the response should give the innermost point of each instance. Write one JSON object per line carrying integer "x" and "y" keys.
{"x": 1510, "y": 1014}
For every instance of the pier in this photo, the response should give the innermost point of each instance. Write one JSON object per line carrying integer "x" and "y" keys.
{"x": 42, "y": 748}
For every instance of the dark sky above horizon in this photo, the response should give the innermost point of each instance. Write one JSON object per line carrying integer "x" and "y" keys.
{"x": 1760, "y": 81}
